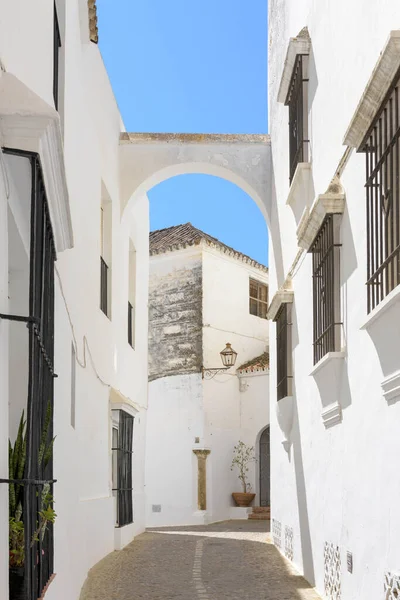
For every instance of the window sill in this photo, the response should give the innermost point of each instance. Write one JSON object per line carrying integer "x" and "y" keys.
{"x": 300, "y": 183}
{"x": 387, "y": 303}
{"x": 327, "y": 361}
{"x": 328, "y": 374}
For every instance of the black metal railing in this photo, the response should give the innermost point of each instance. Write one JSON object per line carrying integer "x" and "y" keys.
{"x": 38, "y": 474}
{"x": 124, "y": 451}
{"x": 56, "y": 57}
{"x": 382, "y": 151}
{"x": 104, "y": 286}
{"x": 326, "y": 288}
{"x": 284, "y": 352}
{"x": 130, "y": 325}
{"x": 298, "y": 114}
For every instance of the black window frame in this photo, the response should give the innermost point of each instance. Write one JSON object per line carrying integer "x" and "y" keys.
{"x": 38, "y": 474}
{"x": 131, "y": 326}
{"x": 297, "y": 101}
{"x": 124, "y": 451}
{"x": 284, "y": 378}
{"x": 104, "y": 284}
{"x": 327, "y": 324}
{"x": 261, "y": 305}
{"x": 56, "y": 57}
{"x": 381, "y": 146}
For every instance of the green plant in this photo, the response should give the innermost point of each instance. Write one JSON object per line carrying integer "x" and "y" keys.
{"x": 242, "y": 456}
{"x": 46, "y": 514}
{"x": 16, "y": 543}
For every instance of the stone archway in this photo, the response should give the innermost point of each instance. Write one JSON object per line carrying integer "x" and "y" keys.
{"x": 149, "y": 159}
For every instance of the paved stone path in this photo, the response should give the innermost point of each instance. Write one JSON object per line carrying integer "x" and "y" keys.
{"x": 233, "y": 560}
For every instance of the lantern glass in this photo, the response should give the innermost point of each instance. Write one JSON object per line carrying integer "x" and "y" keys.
{"x": 228, "y": 356}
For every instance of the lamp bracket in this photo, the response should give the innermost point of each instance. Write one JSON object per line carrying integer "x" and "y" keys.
{"x": 210, "y": 373}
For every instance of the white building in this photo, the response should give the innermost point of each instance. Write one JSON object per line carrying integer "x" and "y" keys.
{"x": 203, "y": 294}
{"x": 61, "y": 197}
{"x": 334, "y": 214}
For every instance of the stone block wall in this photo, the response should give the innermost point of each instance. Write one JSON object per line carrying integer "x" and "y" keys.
{"x": 175, "y": 319}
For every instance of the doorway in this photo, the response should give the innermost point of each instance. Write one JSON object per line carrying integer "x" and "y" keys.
{"x": 265, "y": 473}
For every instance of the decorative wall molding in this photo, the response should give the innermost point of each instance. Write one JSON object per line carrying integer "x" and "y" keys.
{"x": 28, "y": 123}
{"x": 282, "y": 296}
{"x": 332, "y": 571}
{"x": 382, "y": 76}
{"x": 120, "y": 402}
{"x": 332, "y": 202}
{"x": 297, "y": 45}
{"x": 391, "y": 387}
{"x": 392, "y": 586}
{"x": 289, "y": 543}
{"x": 332, "y": 415}
{"x": 277, "y": 533}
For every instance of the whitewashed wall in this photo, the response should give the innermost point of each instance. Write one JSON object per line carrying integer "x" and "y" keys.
{"x": 91, "y": 123}
{"x": 335, "y": 485}
{"x": 185, "y": 407}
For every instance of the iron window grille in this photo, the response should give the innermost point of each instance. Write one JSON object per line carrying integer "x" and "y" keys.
{"x": 122, "y": 458}
{"x": 284, "y": 351}
{"x": 104, "y": 270}
{"x": 258, "y": 302}
{"x": 382, "y": 153}
{"x": 130, "y": 325}
{"x": 326, "y": 288}
{"x": 39, "y": 553}
{"x": 298, "y": 114}
{"x": 56, "y": 57}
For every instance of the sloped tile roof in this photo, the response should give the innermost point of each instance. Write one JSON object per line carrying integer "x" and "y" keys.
{"x": 182, "y": 236}
{"x": 93, "y": 30}
{"x": 259, "y": 363}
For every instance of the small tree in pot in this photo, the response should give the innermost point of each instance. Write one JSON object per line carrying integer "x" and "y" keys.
{"x": 242, "y": 456}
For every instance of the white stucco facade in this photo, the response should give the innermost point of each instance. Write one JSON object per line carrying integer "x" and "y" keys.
{"x": 80, "y": 156}
{"x": 187, "y": 412}
{"x": 334, "y": 443}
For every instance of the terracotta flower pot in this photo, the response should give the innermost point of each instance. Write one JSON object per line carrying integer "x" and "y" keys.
{"x": 243, "y": 498}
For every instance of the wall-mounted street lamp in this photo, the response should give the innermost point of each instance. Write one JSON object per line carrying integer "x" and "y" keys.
{"x": 228, "y": 357}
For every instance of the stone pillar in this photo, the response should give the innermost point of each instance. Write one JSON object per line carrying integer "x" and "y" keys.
{"x": 201, "y": 478}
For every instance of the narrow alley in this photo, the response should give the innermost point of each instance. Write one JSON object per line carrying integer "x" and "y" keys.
{"x": 232, "y": 559}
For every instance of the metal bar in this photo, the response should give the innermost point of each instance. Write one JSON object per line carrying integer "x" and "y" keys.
{"x": 19, "y": 318}
{"x": 29, "y": 481}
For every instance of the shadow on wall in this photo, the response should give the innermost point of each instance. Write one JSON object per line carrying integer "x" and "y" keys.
{"x": 304, "y": 523}
{"x": 275, "y": 233}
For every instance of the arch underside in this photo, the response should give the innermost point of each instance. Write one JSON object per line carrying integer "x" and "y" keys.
{"x": 149, "y": 159}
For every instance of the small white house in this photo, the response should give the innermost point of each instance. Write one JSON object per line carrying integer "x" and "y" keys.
{"x": 203, "y": 295}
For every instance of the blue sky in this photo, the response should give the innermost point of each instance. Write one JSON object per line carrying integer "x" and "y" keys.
{"x": 195, "y": 67}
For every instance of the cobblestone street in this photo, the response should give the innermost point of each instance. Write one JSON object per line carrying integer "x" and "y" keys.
{"x": 233, "y": 560}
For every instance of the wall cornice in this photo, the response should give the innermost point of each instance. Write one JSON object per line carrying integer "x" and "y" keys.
{"x": 332, "y": 202}
{"x": 376, "y": 89}
{"x": 298, "y": 45}
{"x": 282, "y": 296}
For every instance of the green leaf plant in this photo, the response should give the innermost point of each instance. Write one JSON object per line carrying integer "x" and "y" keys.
{"x": 46, "y": 514}
{"x": 242, "y": 456}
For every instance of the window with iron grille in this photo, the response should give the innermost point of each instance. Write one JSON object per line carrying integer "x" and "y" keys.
{"x": 105, "y": 255}
{"x": 284, "y": 351}
{"x": 382, "y": 153}
{"x": 56, "y": 57}
{"x": 130, "y": 324}
{"x": 37, "y": 480}
{"x": 122, "y": 450}
{"x": 298, "y": 114}
{"x": 103, "y": 286}
{"x": 326, "y": 288}
{"x": 258, "y": 303}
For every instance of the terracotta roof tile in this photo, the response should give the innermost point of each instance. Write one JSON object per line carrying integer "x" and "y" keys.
{"x": 93, "y": 30}
{"x": 181, "y": 236}
{"x": 259, "y": 363}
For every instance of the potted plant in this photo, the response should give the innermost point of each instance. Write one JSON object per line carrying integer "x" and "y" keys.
{"x": 242, "y": 456}
{"x": 46, "y": 514}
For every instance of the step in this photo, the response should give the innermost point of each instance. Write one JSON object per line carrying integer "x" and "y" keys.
{"x": 261, "y": 509}
{"x": 259, "y": 516}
